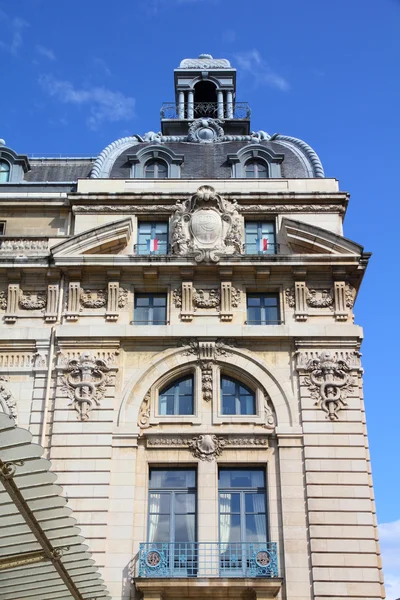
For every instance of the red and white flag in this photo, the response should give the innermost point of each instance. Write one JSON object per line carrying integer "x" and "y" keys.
{"x": 152, "y": 245}
{"x": 262, "y": 244}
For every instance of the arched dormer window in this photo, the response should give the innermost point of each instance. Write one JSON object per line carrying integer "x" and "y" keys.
{"x": 155, "y": 162}
{"x": 236, "y": 398}
{"x": 156, "y": 169}
{"x": 4, "y": 171}
{"x": 256, "y": 169}
{"x": 256, "y": 161}
{"x": 177, "y": 398}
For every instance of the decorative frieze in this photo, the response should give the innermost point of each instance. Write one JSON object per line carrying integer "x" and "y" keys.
{"x": 7, "y": 402}
{"x": 207, "y": 446}
{"x": 328, "y": 375}
{"x": 113, "y": 298}
{"x": 189, "y": 300}
{"x": 85, "y": 380}
{"x": 24, "y": 245}
{"x": 32, "y": 300}
{"x": 247, "y": 208}
{"x": 302, "y": 298}
{"x": 93, "y": 298}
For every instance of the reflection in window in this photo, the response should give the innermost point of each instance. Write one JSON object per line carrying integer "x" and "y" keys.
{"x": 242, "y": 508}
{"x": 263, "y": 309}
{"x": 236, "y": 398}
{"x": 4, "y": 171}
{"x": 155, "y": 169}
{"x": 150, "y": 309}
{"x": 256, "y": 169}
{"x": 260, "y": 237}
{"x": 177, "y": 399}
{"x": 152, "y": 238}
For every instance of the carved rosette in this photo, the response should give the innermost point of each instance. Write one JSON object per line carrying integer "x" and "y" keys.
{"x": 206, "y": 226}
{"x": 329, "y": 379}
{"x": 7, "y": 402}
{"x": 85, "y": 380}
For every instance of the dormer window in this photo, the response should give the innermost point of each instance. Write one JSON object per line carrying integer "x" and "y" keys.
{"x": 4, "y": 171}
{"x": 256, "y": 169}
{"x": 156, "y": 169}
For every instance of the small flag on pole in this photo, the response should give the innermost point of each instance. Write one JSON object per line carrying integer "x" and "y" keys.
{"x": 152, "y": 245}
{"x": 262, "y": 244}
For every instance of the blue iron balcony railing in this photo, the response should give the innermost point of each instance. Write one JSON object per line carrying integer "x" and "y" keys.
{"x": 208, "y": 559}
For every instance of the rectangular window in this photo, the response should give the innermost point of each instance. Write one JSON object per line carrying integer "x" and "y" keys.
{"x": 150, "y": 309}
{"x": 242, "y": 517}
{"x": 172, "y": 518}
{"x": 2, "y": 227}
{"x": 260, "y": 237}
{"x": 263, "y": 309}
{"x": 152, "y": 238}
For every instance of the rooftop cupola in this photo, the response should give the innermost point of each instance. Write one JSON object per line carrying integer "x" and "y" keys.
{"x": 205, "y": 88}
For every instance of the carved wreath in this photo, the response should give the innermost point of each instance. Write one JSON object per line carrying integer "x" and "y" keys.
{"x": 32, "y": 301}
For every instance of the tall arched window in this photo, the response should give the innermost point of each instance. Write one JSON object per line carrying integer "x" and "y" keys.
{"x": 156, "y": 169}
{"x": 4, "y": 171}
{"x": 236, "y": 398}
{"x": 177, "y": 399}
{"x": 256, "y": 169}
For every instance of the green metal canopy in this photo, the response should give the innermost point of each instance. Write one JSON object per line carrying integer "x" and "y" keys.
{"x": 42, "y": 555}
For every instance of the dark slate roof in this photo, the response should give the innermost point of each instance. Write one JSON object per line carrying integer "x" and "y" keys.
{"x": 59, "y": 169}
{"x": 209, "y": 161}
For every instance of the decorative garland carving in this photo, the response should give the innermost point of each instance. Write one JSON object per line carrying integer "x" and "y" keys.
{"x": 319, "y": 298}
{"x": 7, "y": 402}
{"x": 122, "y": 297}
{"x": 205, "y": 131}
{"x": 144, "y": 412}
{"x": 206, "y": 380}
{"x": 93, "y": 298}
{"x": 32, "y": 300}
{"x": 235, "y": 297}
{"x": 290, "y": 297}
{"x": 247, "y": 208}
{"x": 3, "y": 300}
{"x": 177, "y": 298}
{"x": 290, "y": 208}
{"x": 350, "y": 294}
{"x": 206, "y": 225}
{"x": 329, "y": 380}
{"x": 223, "y": 345}
{"x": 207, "y": 446}
{"x": 85, "y": 381}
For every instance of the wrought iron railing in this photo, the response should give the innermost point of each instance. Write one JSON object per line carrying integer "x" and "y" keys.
{"x": 208, "y": 559}
{"x": 236, "y": 110}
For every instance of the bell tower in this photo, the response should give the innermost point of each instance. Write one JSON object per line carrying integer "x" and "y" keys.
{"x": 205, "y": 88}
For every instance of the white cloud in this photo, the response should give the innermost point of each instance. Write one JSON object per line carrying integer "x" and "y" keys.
{"x": 389, "y": 535}
{"x": 253, "y": 64}
{"x": 104, "y": 104}
{"x": 16, "y": 25}
{"x": 46, "y": 52}
{"x": 102, "y": 65}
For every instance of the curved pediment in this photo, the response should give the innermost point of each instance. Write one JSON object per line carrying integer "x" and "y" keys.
{"x": 304, "y": 238}
{"x": 105, "y": 239}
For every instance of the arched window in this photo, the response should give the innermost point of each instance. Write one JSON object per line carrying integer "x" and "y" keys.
{"x": 177, "y": 398}
{"x": 256, "y": 169}
{"x": 4, "y": 171}
{"x": 236, "y": 398}
{"x": 156, "y": 169}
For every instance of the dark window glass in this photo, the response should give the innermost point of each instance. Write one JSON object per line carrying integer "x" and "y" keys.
{"x": 242, "y": 509}
{"x": 256, "y": 169}
{"x": 155, "y": 169}
{"x": 152, "y": 238}
{"x": 236, "y": 398}
{"x": 177, "y": 399}
{"x": 4, "y": 171}
{"x": 2, "y": 227}
{"x": 150, "y": 309}
{"x": 263, "y": 309}
{"x": 260, "y": 237}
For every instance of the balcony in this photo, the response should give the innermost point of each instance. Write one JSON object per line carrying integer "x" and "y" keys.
{"x": 198, "y": 110}
{"x": 208, "y": 560}
{"x": 23, "y": 246}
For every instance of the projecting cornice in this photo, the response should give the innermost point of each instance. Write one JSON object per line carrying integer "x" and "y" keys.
{"x": 106, "y": 239}
{"x": 304, "y": 238}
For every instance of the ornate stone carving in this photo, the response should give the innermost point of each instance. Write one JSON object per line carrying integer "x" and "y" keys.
{"x": 40, "y": 361}
{"x": 131, "y": 209}
{"x": 32, "y": 300}
{"x": 202, "y": 224}
{"x": 329, "y": 379}
{"x": 206, "y": 298}
{"x": 206, "y": 446}
{"x": 223, "y": 345}
{"x": 93, "y": 298}
{"x": 235, "y": 297}
{"x": 206, "y": 380}
{"x": 205, "y": 131}
{"x": 290, "y": 297}
{"x": 7, "y": 402}
{"x": 122, "y": 297}
{"x": 27, "y": 246}
{"x": 290, "y": 208}
{"x": 177, "y": 298}
{"x": 247, "y": 208}
{"x": 3, "y": 300}
{"x": 268, "y": 414}
{"x": 350, "y": 294}
{"x": 319, "y": 298}
{"x": 144, "y": 412}
{"x": 85, "y": 380}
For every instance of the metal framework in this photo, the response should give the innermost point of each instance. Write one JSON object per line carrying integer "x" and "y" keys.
{"x": 170, "y": 110}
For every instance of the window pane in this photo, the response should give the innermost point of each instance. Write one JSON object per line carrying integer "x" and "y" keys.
{"x": 267, "y": 314}
{"x": 159, "y": 503}
{"x": 236, "y": 398}
{"x": 159, "y": 528}
{"x": 229, "y": 503}
{"x": 184, "y": 528}
{"x": 4, "y": 171}
{"x": 185, "y": 503}
{"x": 240, "y": 478}
{"x": 255, "y": 503}
{"x": 177, "y": 399}
{"x": 172, "y": 478}
{"x": 185, "y": 405}
{"x": 256, "y": 528}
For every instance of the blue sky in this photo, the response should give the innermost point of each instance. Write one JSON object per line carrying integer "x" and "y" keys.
{"x": 77, "y": 75}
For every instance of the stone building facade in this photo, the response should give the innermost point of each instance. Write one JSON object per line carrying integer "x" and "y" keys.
{"x": 178, "y": 334}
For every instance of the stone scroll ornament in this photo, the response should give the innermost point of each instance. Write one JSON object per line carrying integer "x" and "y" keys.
{"x": 7, "y": 402}
{"x": 329, "y": 380}
{"x": 206, "y": 226}
{"x": 85, "y": 380}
